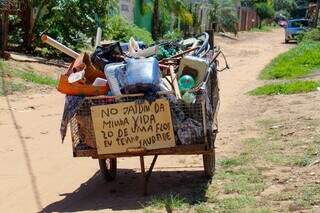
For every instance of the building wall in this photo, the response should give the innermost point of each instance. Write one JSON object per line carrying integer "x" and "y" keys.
{"x": 126, "y": 8}
{"x": 142, "y": 20}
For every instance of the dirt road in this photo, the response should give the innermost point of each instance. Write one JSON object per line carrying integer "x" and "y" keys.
{"x": 39, "y": 174}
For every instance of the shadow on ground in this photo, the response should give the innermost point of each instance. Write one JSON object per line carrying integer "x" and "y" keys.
{"x": 126, "y": 192}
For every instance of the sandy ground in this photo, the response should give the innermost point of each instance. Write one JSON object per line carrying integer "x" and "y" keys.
{"x": 38, "y": 173}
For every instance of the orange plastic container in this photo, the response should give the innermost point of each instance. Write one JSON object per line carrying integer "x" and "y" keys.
{"x": 84, "y": 88}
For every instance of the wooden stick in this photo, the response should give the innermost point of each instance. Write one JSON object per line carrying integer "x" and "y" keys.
{"x": 47, "y": 39}
{"x": 180, "y": 54}
{"x": 175, "y": 82}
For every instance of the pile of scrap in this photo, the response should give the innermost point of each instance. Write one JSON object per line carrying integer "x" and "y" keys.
{"x": 178, "y": 69}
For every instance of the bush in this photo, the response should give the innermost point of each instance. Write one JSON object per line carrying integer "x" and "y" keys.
{"x": 311, "y": 35}
{"x": 120, "y": 30}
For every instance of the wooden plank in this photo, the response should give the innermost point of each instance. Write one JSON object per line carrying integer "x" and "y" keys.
{"x": 124, "y": 126}
{"x": 175, "y": 82}
{"x": 195, "y": 149}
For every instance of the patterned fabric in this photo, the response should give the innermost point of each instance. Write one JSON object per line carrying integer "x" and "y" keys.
{"x": 71, "y": 106}
{"x": 190, "y": 132}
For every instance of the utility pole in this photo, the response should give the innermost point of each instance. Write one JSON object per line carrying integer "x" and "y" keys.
{"x": 317, "y": 14}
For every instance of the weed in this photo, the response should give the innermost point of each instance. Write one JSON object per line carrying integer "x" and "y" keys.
{"x": 170, "y": 201}
{"x": 286, "y": 88}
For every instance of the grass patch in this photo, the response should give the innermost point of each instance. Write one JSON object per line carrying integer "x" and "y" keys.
{"x": 9, "y": 77}
{"x": 286, "y": 88}
{"x": 297, "y": 62}
{"x": 304, "y": 197}
{"x": 243, "y": 181}
{"x": 8, "y": 87}
{"x": 33, "y": 77}
{"x": 236, "y": 204}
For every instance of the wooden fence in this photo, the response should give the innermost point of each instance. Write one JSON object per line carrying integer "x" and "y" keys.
{"x": 248, "y": 19}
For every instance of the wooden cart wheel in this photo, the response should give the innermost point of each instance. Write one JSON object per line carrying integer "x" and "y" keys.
{"x": 209, "y": 164}
{"x": 108, "y": 168}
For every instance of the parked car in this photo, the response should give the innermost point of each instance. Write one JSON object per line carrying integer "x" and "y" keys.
{"x": 294, "y": 28}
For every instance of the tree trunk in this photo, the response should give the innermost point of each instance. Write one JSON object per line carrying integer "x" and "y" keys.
{"x": 317, "y": 14}
{"x": 27, "y": 26}
{"x": 155, "y": 20}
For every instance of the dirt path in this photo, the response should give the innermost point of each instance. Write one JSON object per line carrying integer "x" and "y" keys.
{"x": 38, "y": 173}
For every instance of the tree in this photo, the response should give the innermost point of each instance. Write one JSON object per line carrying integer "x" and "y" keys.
{"x": 224, "y": 14}
{"x": 264, "y": 11}
{"x": 32, "y": 10}
{"x": 71, "y": 22}
{"x": 177, "y": 8}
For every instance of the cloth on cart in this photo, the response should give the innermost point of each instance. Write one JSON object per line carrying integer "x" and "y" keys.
{"x": 71, "y": 106}
{"x": 190, "y": 132}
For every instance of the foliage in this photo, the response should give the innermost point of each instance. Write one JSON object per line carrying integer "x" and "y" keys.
{"x": 287, "y": 6}
{"x": 310, "y": 35}
{"x": 286, "y": 88}
{"x": 166, "y": 13}
{"x": 173, "y": 35}
{"x": 224, "y": 14}
{"x": 264, "y": 11}
{"x": 70, "y": 22}
{"x": 265, "y": 28}
{"x": 298, "y": 61}
{"x": 121, "y": 30}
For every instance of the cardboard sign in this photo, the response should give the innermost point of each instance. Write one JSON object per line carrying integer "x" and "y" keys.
{"x": 119, "y": 127}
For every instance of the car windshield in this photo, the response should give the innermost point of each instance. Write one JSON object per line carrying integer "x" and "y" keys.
{"x": 301, "y": 23}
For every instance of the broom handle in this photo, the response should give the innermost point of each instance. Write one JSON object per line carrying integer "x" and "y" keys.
{"x": 47, "y": 39}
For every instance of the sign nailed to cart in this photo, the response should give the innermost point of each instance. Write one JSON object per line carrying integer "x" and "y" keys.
{"x": 122, "y": 126}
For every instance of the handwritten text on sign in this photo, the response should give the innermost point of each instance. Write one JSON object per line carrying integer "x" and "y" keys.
{"x": 129, "y": 125}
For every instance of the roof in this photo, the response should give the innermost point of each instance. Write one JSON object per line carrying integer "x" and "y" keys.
{"x": 9, "y": 5}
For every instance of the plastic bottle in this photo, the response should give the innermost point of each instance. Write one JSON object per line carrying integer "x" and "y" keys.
{"x": 189, "y": 98}
{"x": 186, "y": 82}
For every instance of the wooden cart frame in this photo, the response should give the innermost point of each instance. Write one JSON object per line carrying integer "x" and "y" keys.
{"x": 108, "y": 163}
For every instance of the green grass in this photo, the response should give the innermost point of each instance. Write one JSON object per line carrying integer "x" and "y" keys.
{"x": 9, "y": 76}
{"x": 286, "y": 88}
{"x": 33, "y": 77}
{"x": 264, "y": 28}
{"x": 297, "y": 62}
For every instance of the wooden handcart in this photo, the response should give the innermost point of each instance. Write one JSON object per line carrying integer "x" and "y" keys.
{"x": 84, "y": 140}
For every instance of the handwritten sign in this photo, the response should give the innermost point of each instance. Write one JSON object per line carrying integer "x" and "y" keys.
{"x": 121, "y": 126}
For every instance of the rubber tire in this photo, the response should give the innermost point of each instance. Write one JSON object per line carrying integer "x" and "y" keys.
{"x": 108, "y": 170}
{"x": 209, "y": 164}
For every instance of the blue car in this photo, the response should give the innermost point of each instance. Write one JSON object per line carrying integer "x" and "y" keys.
{"x": 294, "y": 28}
